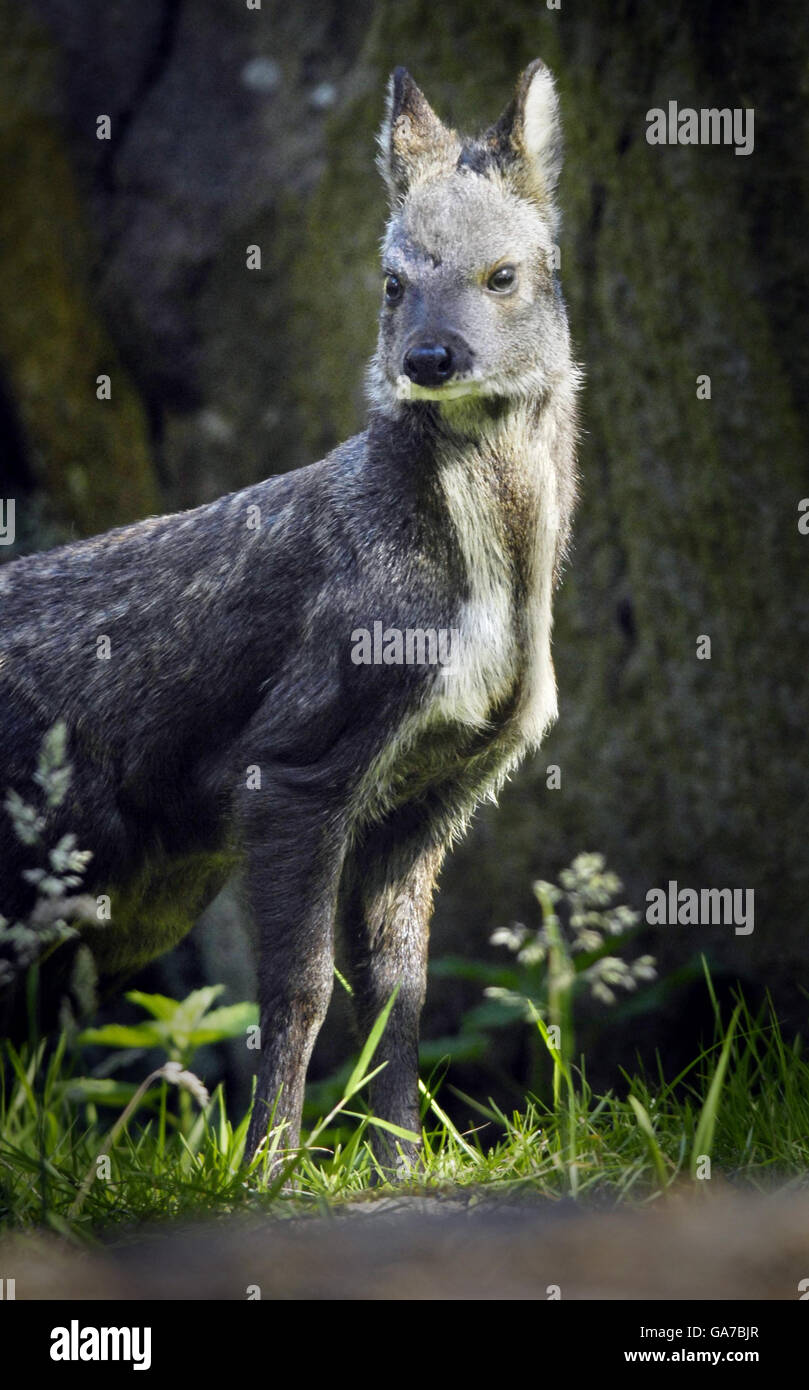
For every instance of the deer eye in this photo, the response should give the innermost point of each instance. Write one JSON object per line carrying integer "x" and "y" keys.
{"x": 502, "y": 279}
{"x": 394, "y": 289}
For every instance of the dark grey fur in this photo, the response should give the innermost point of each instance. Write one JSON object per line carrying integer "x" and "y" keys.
{"x": 231, "y": 649}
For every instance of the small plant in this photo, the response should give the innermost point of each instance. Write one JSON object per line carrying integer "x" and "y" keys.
{"x": 572, "y": 949}
{"x": 585, "y": 894}
{"x": 25, "y": 945}
{"x": 179, "y": 1027}
{"x": 567, "y": 951}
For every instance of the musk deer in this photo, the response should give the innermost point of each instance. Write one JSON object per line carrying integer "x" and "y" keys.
{"x": 224, "y": 700}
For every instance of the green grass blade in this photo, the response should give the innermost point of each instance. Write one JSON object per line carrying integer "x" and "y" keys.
{"x": 647, "y": 1130}
{"x": 373, "y": 1040}
{"x": 706, "y": 1125}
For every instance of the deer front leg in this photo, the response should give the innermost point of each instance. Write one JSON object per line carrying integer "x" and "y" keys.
{"x": 385, "y": 909}
{"x": 293, "y": 872}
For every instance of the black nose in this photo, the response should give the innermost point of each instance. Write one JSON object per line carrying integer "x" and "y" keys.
{"x": 428, "y": 364}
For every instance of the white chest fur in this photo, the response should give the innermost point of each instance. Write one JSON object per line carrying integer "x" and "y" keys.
{"x": 497, "y": 649}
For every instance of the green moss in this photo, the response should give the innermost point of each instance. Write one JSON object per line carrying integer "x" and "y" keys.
{"x": 91, "y": 457}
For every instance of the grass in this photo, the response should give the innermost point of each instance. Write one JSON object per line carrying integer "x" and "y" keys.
{"x": 739, "y": 1111}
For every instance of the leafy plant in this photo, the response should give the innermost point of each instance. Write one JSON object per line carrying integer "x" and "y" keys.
{"x": 179, "y": 1028}
{"x": 567, "y": 949}
{"x": 571, "y": 950}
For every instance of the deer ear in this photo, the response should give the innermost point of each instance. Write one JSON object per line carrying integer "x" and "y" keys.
{"x": 413, "y": 142}
{"x": 527, "y": 139}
